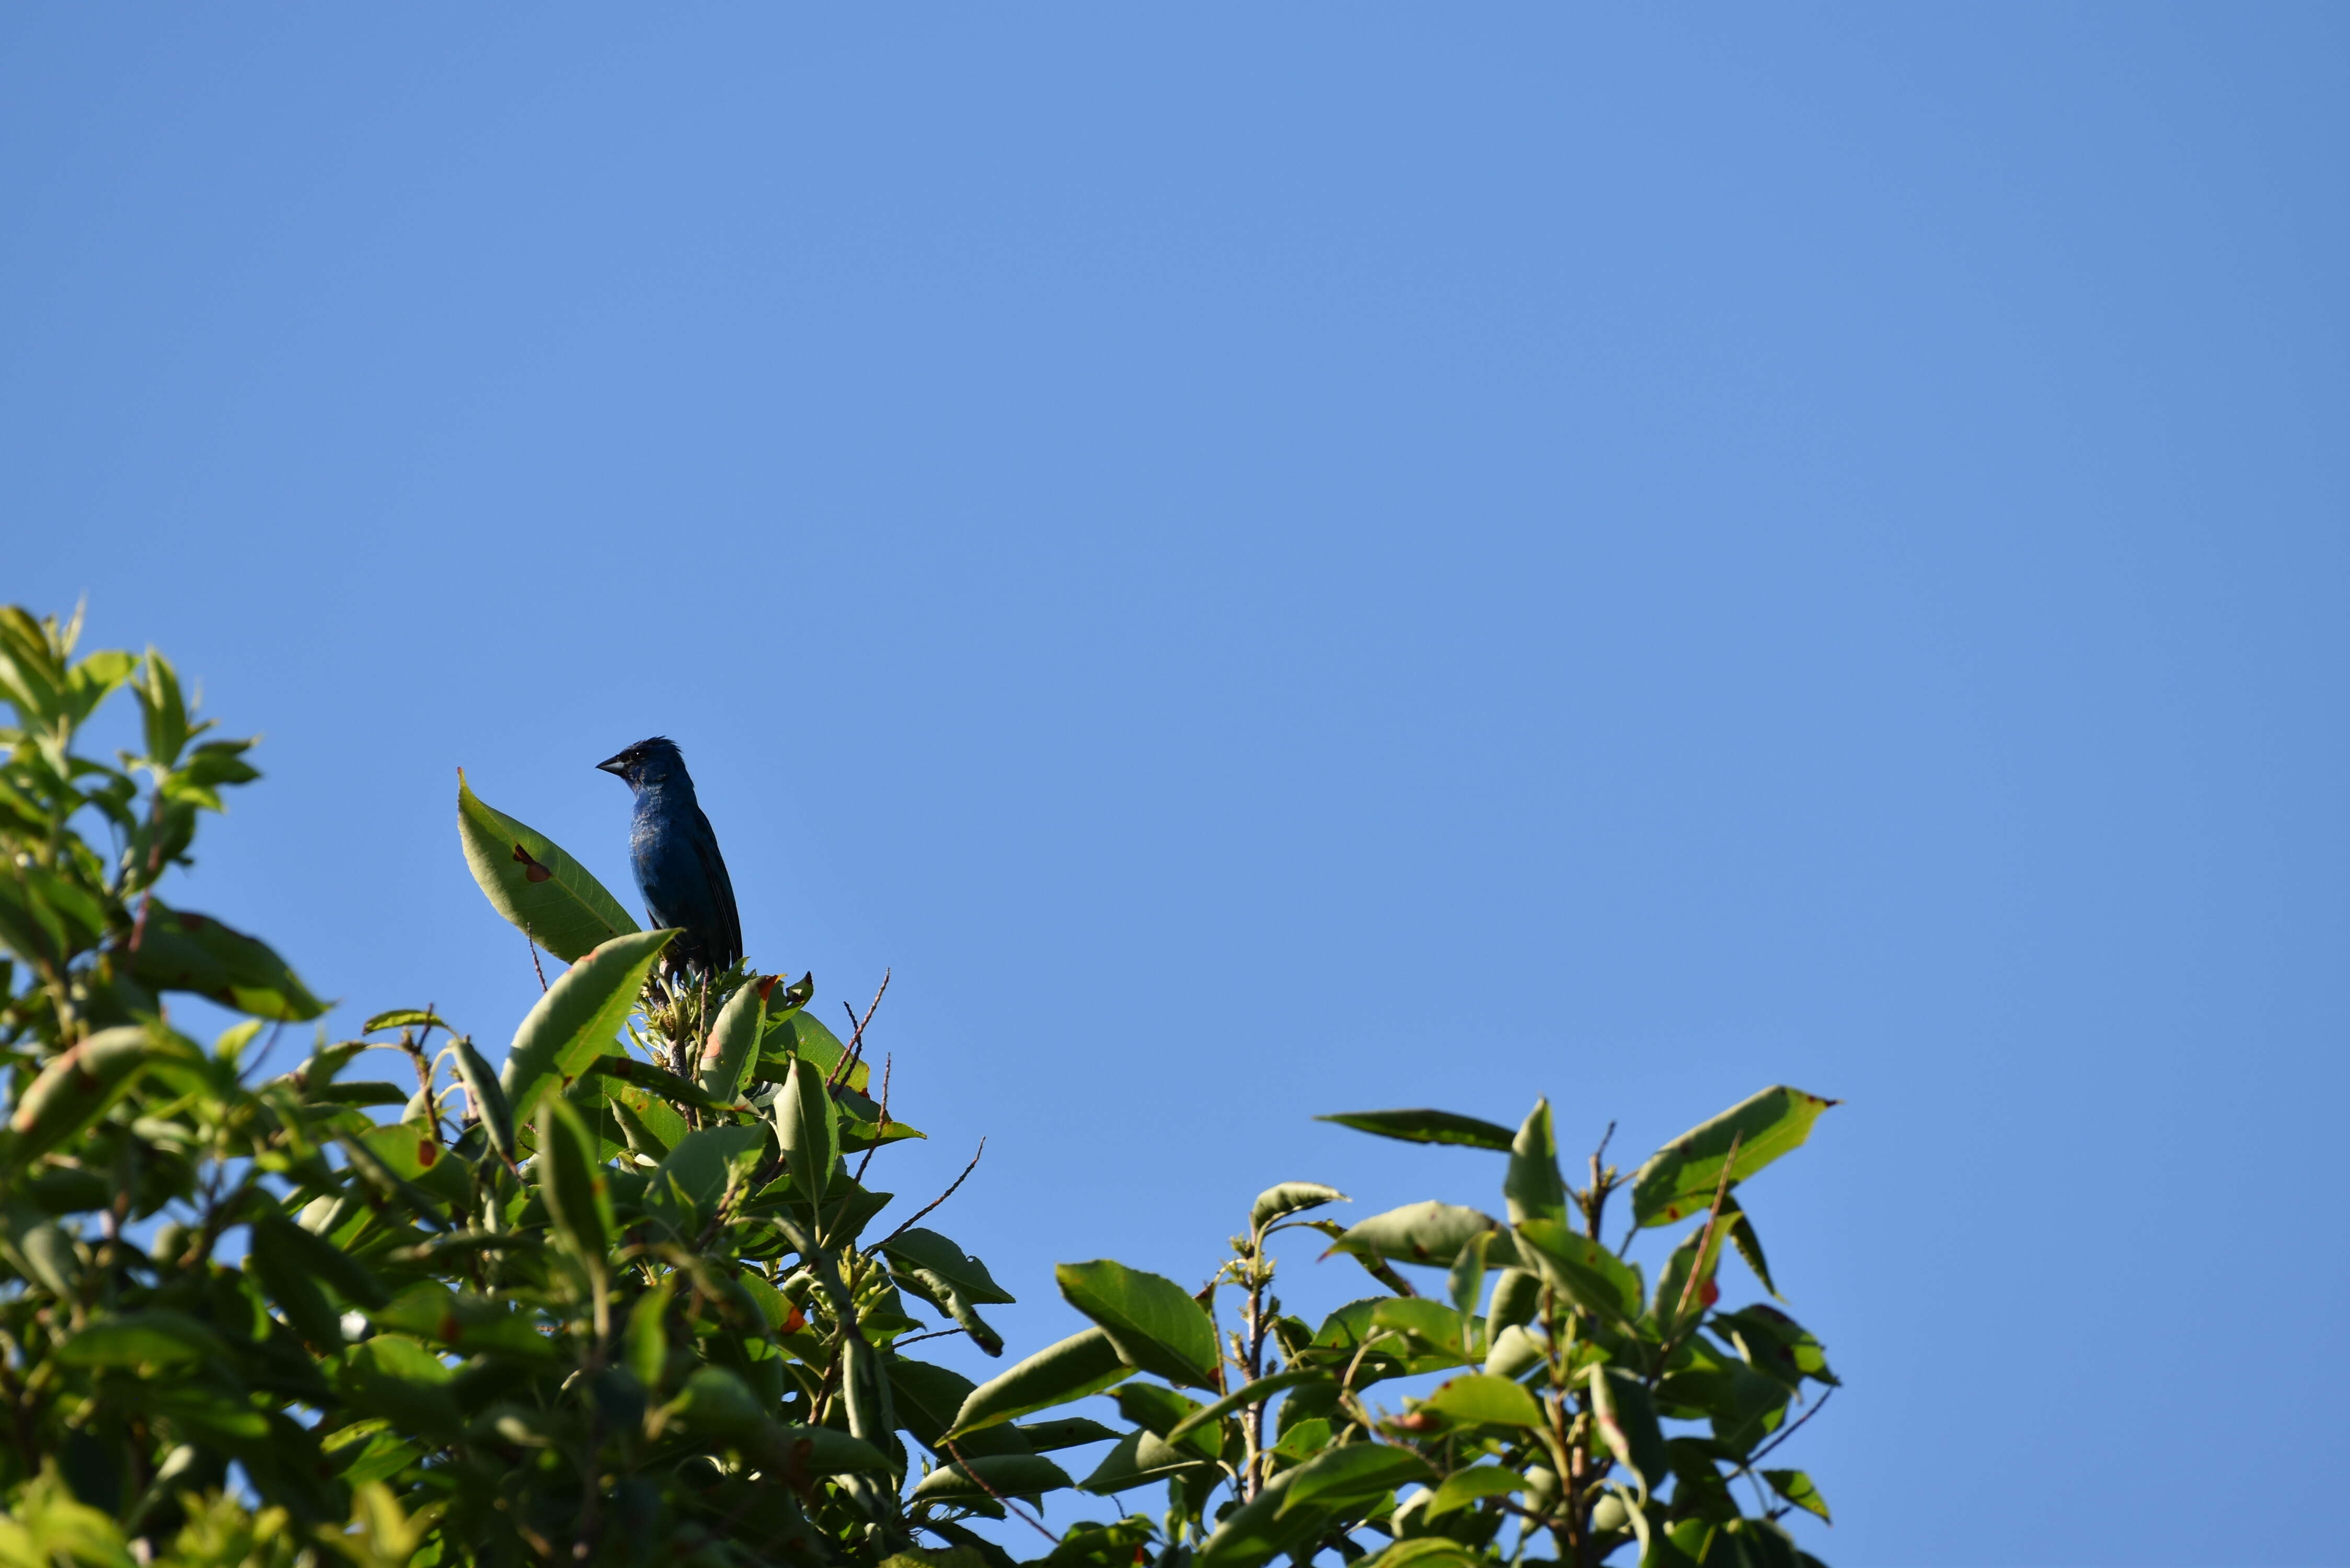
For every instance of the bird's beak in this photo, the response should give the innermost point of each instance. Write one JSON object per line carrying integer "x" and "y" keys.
{"x": 614, "y": 766}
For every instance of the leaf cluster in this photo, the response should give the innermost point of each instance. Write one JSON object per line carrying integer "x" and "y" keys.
{"x": 628, "y": 1296}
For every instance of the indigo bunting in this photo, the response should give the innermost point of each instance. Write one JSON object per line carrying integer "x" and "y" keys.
{"x": 674, "y": 855}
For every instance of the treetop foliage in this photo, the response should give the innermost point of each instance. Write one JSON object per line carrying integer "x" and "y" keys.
{"x": 629, "y": 1298}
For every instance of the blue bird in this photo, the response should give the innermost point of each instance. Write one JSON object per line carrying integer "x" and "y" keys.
{"x": 674, "y": 855}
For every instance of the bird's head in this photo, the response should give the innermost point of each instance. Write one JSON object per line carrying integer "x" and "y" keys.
{"x": 654, "y": 762}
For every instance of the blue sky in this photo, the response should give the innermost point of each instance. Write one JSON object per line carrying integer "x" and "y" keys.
{"x": 1271, "y": 562}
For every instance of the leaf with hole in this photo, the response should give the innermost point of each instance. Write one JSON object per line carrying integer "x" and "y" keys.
{"x": 528, "y": 878}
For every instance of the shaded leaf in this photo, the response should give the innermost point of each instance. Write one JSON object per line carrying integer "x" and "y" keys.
{"x": 1013, "y": 1475}
{"x": 944, "y": 1265}
{"x": 571, "y": 1180}
{"x": 1626, "y": 1420}
{"x": 184, "y": 951}
{"x": 1246, "y": 1395}
{"x": 76, "y": 1087}
{"x": 1084, "y": 1363}
{"x": 1425, "y": 1126}
{"x": 155, "y": 1336}
{"x": 1797, "y": 1488}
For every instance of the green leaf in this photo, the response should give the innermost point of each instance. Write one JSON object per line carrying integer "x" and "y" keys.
{"x": 1083, "y": 1363}
{"x": 531, "y": 881}
{"x": 1479, "y": 1398}
{"x": 276, "y": 1236}
{"x": 1665, "y": 1309}
{"x": 1514, "y": 1353}
{"x": 1011, "y": 1475}
{"x": 648, "y": 1335}
{"x": 1462, "y": 1488}
{"x": 1354, "y": 1477}
{"x": 927, "y": 1397}
{"x": 1431, "y": 1233}
{"x": 1153, "y": 1321}
{"x": 1774, "y": 1342}
{"x": 1797, "y": 1488}
{"x": 184, "y": 951}
{"x": 1679, "y": 1178}
{"x": 1434, "y": 1327}
{"x": 464, "y": 1322}
{"x": 1466, "y": 1282}
{"x": 1140, "y": 1458}
{"x": 153, "y": 1337}
{"x": 1159, "y": 1410}
{"x": 713, "y": 1403}
{"x": 1259, "y": 1530}
{"x": 1427, "y": 1551}
{"x": 658, "y": 1081}
{"x": 405, "y": 1018}
{"x": 1533, "y": 1188}
{"x": 576, "y": 1020}
{"x": 394, "y": 1376}
{"x": 808, "y": 1127}
{"x": 488, "y": 1097}
{"x": 1068, "y": 1432}
{"x": 1594, "y": 1277}
{"x": 1749, "y": 1245}
{"x": 795, "y": 1033}
{"x": 804, "y": 1451}
{"x": 1247, "y": 1394}
{"x": 944, "y": 1266}
{"x": 1626, "y": 1420}
{"x": 1425, "y": 1126}
{"x": 733, "y": 1044}
{"x": 570, "y": 1179}
{"x": 1290, "y": 1198}
{"x": 76, "y": 1087}
{"x": 704, "y": 1162}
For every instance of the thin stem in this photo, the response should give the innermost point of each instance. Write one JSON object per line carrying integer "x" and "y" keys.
{"x": 934, "y": 1202}
{"x": 1035, "y": 1524}
{"x": 856, "y": 1035}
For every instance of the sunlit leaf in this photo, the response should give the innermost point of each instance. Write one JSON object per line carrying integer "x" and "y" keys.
{"x": 531, "y": 881}
{"x": 1153, "y": 1321}
{"x": 576, "y": 1020}
{"x": 1425, "y": 1126}
{"x": 1679, "y": 1179}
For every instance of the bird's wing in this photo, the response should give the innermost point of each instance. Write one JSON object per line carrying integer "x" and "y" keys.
{"x": 721, "y": 890}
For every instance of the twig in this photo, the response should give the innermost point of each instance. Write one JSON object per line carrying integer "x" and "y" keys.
{"x": 1713, "y": 1218}
{"x": 533, "y": 957}
{"x": 879, "y": 1127}
{"x": 856, "y": 1035}
{"x": 934, "y": 1202}
{"x": 1798, "y": 1426}
{"x": 414, "y": 1046}
{"x": 1032, "y": 1524}
{"x": 933, "y": 1334}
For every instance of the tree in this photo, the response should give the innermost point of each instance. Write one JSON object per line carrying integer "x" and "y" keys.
{"x": 627, "y": 1298}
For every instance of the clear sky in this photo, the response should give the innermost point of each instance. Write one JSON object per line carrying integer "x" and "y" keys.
{"x": 1280, "y": 560}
